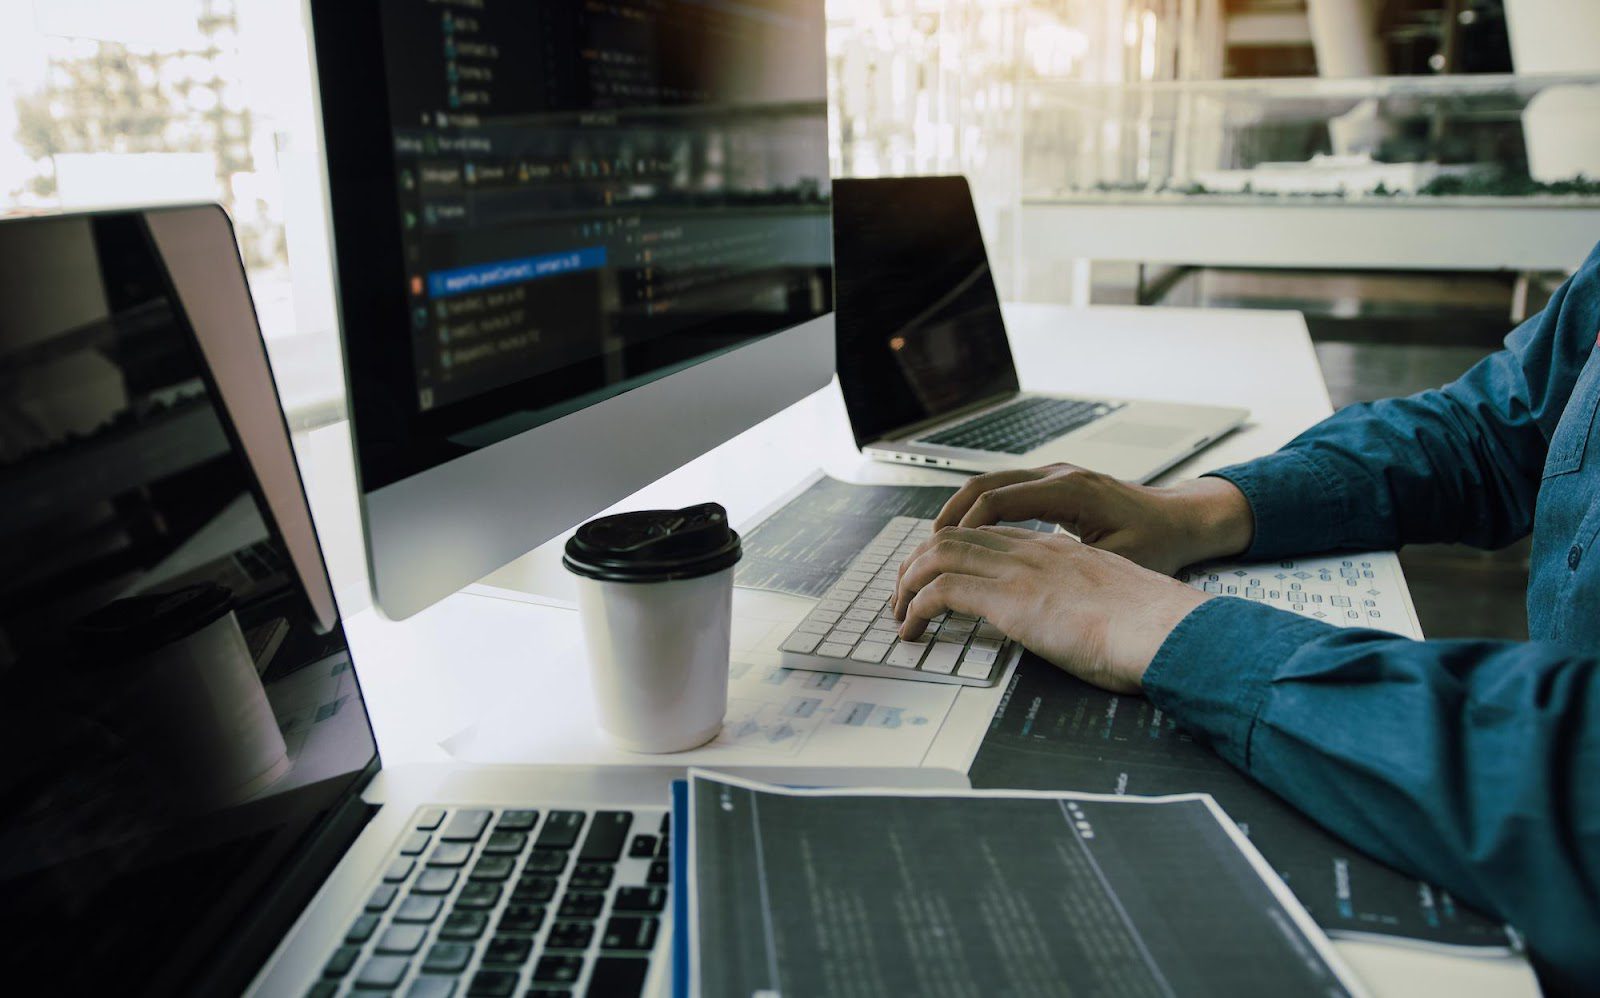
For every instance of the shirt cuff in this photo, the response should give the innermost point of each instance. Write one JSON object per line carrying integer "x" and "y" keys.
{"x": 1297, "y": 504}
{"x": 1213, "y": 672}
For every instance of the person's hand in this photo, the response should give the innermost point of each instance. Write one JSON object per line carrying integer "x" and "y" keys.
{"x": 1163, "y": 529}
{"x": 1091, "y": 612}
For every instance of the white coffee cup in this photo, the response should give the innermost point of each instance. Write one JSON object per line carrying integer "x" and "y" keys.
{"x": 655, "y": 591}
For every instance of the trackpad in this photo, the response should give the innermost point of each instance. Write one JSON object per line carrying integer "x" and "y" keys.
{"x": 1131, "y": 434}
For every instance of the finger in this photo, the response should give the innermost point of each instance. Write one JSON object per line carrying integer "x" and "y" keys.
{"x": 957, "y": 505}
{"x": 1024, "y": 501}
{"x": 953, "y": 557}
{"x": 957, "y": 593}
{"x": 977, "y": 537}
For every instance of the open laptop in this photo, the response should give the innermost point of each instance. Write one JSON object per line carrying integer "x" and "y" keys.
{"x": 925, "y": 365}
{"x": 189, "y": 809}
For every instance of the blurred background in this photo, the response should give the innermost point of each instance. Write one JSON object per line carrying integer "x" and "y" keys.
{"x": 1308, "y": 154}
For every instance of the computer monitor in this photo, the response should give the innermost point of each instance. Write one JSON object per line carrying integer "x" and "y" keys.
{"x": 577, "y": 245}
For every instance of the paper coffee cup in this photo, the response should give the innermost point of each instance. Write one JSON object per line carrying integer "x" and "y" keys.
{"x": 655, "y": 591}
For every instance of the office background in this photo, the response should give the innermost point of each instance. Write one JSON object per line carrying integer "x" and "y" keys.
{"x": 1049, "y": 106}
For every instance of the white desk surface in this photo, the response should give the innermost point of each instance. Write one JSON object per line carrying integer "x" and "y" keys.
{"x": 434, "y": 675}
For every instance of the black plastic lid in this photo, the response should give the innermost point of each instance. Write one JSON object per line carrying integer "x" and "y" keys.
{"x": 654, "y": 545}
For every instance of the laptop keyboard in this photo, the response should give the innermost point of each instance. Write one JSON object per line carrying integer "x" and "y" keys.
{"x": 1023, "y": 425}
{"x": 488, "y": 903}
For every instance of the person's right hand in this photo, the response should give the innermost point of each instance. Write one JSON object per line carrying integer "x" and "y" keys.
{"x": 1163, "y": 529}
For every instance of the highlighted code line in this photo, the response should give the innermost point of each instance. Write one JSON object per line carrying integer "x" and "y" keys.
{"x": 481, "y": 277}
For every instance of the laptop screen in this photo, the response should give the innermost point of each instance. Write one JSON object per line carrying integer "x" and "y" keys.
{"x": 178, "y": 712}
{"x": 918, "y": 320}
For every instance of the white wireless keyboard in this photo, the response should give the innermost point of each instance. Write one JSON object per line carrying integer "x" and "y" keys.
{"x": 852, "y": 630}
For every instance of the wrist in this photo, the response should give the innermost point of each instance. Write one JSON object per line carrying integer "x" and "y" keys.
{"x": 1216, "y": 519}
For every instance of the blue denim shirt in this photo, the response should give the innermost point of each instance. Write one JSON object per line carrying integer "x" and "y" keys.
{"x": 1475, "y": 764}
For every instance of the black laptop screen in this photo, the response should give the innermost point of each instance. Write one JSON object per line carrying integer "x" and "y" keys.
{"x": 918, "y": 320}
{"x": 174, "y": 724}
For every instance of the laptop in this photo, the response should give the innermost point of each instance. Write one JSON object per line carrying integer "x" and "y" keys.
{"x": 925, "y": 365}
{"x": 194, "y": 799}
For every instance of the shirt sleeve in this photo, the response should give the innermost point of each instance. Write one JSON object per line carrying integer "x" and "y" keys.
{"x": 1458, "y": 463}
{"x": 1473, "y": 764}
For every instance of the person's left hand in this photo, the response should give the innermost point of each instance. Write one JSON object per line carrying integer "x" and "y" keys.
{"x": 1093, "y": 613}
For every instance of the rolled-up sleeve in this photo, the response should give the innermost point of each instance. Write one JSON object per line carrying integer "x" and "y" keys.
{"x": 1474, "y": 764}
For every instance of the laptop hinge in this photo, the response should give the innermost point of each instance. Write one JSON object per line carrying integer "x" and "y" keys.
{"x": 953, "y": 416}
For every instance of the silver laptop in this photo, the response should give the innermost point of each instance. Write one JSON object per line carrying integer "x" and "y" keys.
{"x": 194, "y": 798}
{"x": 925, "y": 365}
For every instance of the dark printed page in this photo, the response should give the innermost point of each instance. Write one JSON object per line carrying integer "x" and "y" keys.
{"x": 1054, "y": 732}
{"x": 804, "y": 893}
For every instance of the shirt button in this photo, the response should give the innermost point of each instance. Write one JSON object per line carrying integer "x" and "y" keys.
{"x": 1574, "y": 556}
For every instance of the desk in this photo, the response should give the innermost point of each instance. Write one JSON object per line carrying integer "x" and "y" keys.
{"x": 429, "y": 677}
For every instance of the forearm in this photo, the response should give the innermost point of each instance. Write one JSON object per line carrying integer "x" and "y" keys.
{"x": 1472, "y": 764}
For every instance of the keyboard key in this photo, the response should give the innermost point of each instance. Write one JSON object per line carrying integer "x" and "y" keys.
{"x": 382, "y": 973}
{"x": 450, "y": 854}
{"x": 399, "y": 870}
{"x": 802, "y": 643}
{"x": 619, "y": 976}
{"x": 520, "y": 917}
{"x": 419, "y": 908}
{"x": 414, "y": 843}
{"x": 639, "y": 899}
{"x": 844, "y": 630}
{"x": 341, "y": 961}
{"x": 941, "y": 658}
{"x": 977, "y": 656}
{"x": 447, "y": 958}
{"x": 429, "y": 819}
{"x": 570, "y": 935}
{"x": 534, "y": 889}
{"x": 517, "y": 821}
{"x": 658, "y": 872}
{"x": 463, "y": 925}
{"x": 608, "y": 832}
{"x": 906, "y": 654}
{"x": 824, "y": 616}
{"x": 402, "y": 940}
{"x": 558, "y": 969}
{"x": 544, "y": 861}
{"x": 865, "y": 616}
{"x": 492, "y": 868}
{"x": 833, "y": 649}
{"x": 592, "y": 876}
{"x": 382, "y": 897}
{"x": 431, "y": 987}
{"x": 560, "y": 830}
{"x": 582, "y": 904}
{"x": 504, "y": 843}
{"x": 974, "y": 670}
{"x": 435, "y": 881}
{"x": 642, "y": 847}
{"x": 478, "y": 894}
{"x": 870, "y": 651}
{"x": 493, "y": 984}
{"x": 465, "y": 826}
{"x": 985, "y": 644}
{"x": 835, "y": 605}
{"x": 816, "y": 628}
{"x": 323, "y": 989}
{"x": 508, "y": 951}
{"x": 628, "y": 933}
{"x": 988, "y": 630}
{"x": 362, "y": 929}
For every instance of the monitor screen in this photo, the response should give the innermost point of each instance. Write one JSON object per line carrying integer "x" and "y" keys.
{"x": 538, "y": 206}
{"x": 919, "y": 332}
{"x": 174, "y": 718}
